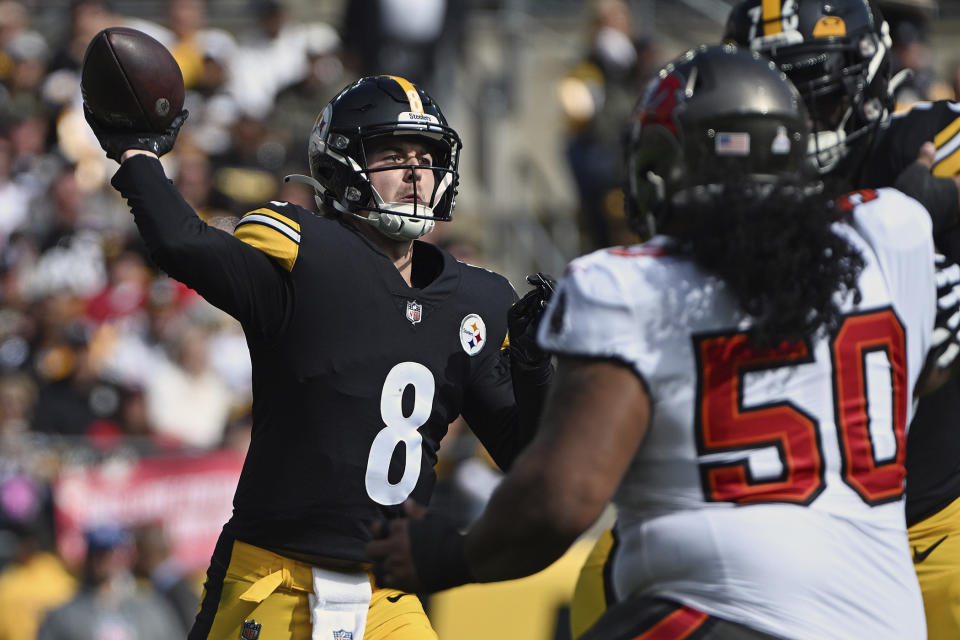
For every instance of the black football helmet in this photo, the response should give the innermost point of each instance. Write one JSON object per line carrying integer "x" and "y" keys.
{"x": 836, "y": 52}
{"x": 368, "y": 109}
{"x": 715, "y": 116}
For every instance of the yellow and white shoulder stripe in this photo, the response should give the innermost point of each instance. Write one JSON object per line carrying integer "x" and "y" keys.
{"x": 272, "y": 233}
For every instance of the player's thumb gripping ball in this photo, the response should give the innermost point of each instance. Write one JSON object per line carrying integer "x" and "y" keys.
{"x": 130, "y": 82}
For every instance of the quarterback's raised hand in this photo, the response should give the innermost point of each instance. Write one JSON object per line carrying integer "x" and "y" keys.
{"x": 523, "y": 318}
{"x": 116, "y": 142}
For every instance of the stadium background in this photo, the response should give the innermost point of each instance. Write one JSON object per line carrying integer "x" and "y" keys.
{"x": 94, "y": 345}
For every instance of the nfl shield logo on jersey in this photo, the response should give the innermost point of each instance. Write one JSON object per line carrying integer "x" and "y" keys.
{"x": 414, "y": 311}
{"x": 473, "y": 334}
{"x": 250, "y": 630}
{"x": 342, "y": 635}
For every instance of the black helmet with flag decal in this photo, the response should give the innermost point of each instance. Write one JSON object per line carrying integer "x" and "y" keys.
{"x": 712, "y": 115}
{"x": 367, "y": 110}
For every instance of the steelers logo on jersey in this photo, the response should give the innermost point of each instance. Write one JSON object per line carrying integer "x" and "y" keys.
{"x": 473, "y": 334}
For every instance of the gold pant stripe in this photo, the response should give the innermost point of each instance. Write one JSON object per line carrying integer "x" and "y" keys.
{"x": 935, "y": 544}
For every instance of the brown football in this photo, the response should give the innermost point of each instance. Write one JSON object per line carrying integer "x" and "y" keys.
{"x": 130, "y": 82}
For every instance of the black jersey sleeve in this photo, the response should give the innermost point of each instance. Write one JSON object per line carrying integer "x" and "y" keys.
{"x": 229, "y": 273}
{"x": 895, "y": 150}
{"x": 898, "y": 143}
{"x": 494, "y": 415}
{"x": 503, "y": 422}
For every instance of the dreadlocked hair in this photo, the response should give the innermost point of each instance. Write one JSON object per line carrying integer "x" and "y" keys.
{"x": 774, "y": 248}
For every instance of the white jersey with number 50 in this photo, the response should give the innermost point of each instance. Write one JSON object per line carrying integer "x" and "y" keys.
{"x": 769, "y": 487}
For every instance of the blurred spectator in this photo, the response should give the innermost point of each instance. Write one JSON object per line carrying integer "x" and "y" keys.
{"x": 65, "y": 210}
{"x": 213, "y": 108}
{"x": 270, "y": 57}
{"x": 230, "y": 359}
{"x": 194, "y": 179}
{"x": 125, "y": 295}
{"x": 132, "y": 416}
{"x": 73, "y": 399}
{"x": 87, "y": 18}
{"x": 297, "y": 107}
{"x": 14, "y": 20}
{"x": 34, "y": 166}
{"x": 422, "y": 45}
{"x": 18, "y": 398}
{"x": 247, "y": 172}
{"x": 186, "y": 20}
{"x": 187, "y": 401}
{"x": 14, "y": 196}
{"x": 133, "y": 351}
{"x": 110, "y": 603}
{"x": 155, "y": 566}
{"x": 73, "y": 266}
{"x": 35, "y": 581}
{"x": 28, "y": 54}
{"x": 596, "y": 97}
{"x": 909, "y": 29}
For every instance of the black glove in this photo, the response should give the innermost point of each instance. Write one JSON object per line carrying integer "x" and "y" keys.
{"x": 116, "y": 142}
{"x": 945, "y": 345}
{"x": 523, "y": 318}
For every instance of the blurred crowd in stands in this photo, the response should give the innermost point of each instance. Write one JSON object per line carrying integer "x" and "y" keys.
{"x": 102, "y": 356}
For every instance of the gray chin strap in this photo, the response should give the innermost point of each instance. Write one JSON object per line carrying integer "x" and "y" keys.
{"x": 401, "y": 227}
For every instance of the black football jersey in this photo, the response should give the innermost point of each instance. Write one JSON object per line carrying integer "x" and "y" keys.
{"x": 356, "y": 375}
{"x": 933, "y": 447}
{"x": 899, "y": 140}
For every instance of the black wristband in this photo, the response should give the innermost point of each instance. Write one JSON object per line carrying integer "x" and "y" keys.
{"x": 439, "y": 553}
{"x": 937, "y": 195}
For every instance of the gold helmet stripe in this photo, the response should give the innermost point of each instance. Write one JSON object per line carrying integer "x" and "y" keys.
{"x": 416, "y": 105}
{"x": 771, "y": 17}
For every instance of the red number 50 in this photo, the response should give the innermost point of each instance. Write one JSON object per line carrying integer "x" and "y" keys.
{"x": 723, "y": 425}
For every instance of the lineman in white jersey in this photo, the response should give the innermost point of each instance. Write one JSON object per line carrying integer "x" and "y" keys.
{"x": 740, "y": 387}
{"x": 768, "y": 489}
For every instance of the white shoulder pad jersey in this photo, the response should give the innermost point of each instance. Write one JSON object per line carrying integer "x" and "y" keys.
{"x": 769, "y": 487}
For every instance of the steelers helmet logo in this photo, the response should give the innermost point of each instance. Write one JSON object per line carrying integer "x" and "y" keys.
{"x": 473, "y": 334}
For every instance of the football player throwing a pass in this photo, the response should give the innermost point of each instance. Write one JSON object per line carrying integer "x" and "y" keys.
{"x": 366, "y": 343}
